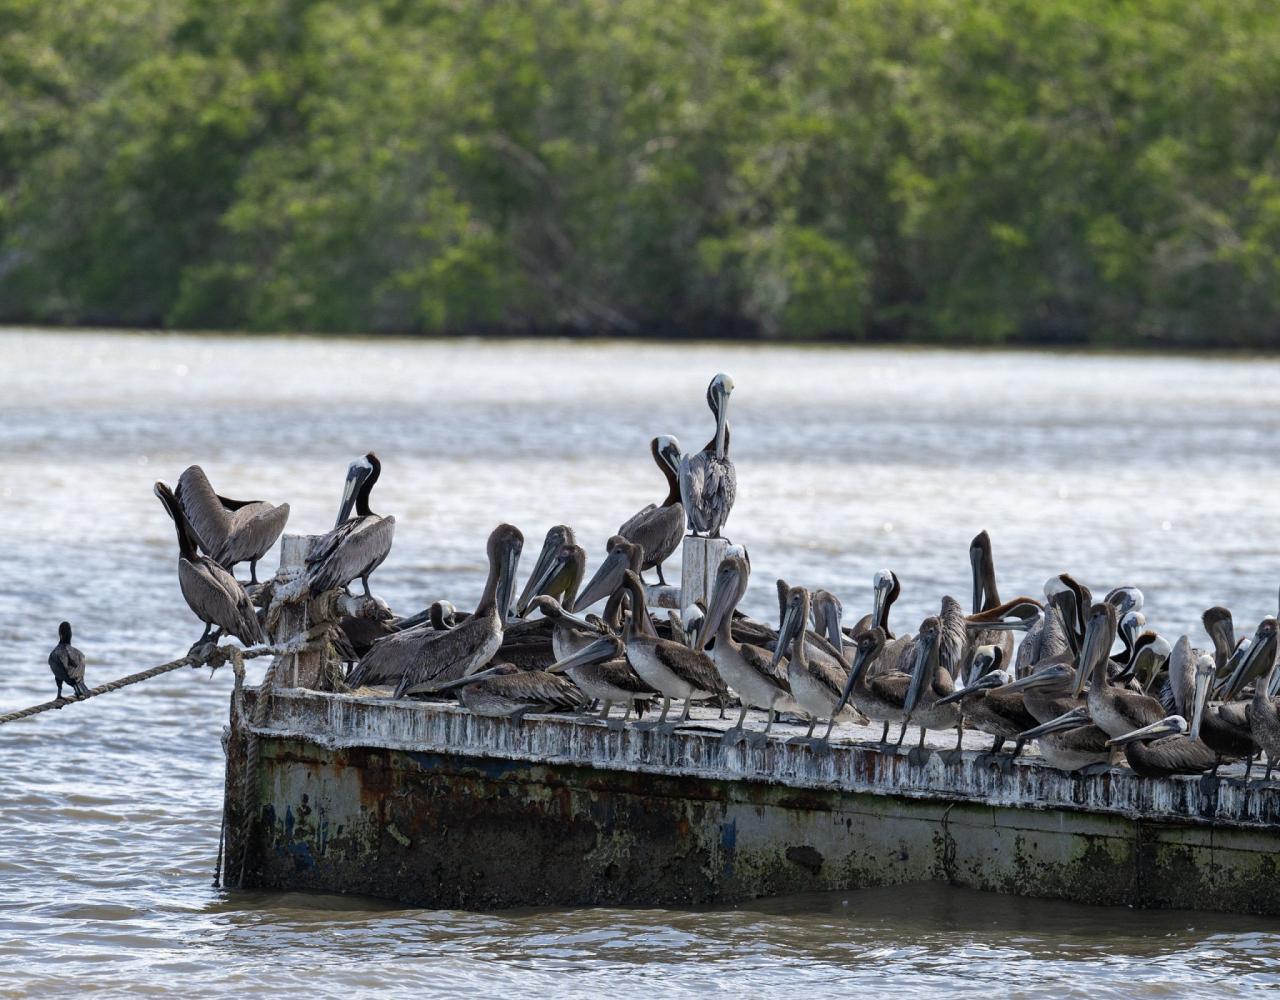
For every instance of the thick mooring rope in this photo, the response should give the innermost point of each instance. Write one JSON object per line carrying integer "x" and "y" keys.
{"x": 215, "y": 657}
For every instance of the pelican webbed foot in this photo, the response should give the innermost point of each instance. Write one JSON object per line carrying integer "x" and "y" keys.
{"x": 733, "y": 736}
{"x": 918, "y": 756}
{"x": 1209, "y": 786}
{"x": 952, "y": 757}
{"x": 1094, "y": 770}
{"x": 615, "y": 725}
{"x": 756, "y": 740}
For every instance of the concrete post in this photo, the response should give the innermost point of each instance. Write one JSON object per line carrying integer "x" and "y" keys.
{"x": 699, "y": 562}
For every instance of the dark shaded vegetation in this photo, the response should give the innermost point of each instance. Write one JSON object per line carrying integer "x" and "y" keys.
{"x": 1054, "y": 171}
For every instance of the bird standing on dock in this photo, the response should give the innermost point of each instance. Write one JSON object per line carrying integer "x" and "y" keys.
{"x": 1117, "y": 711}
{"x": 217, "y": 598}
{"x": 602, "y": 673}
{"x": 708, "y": 481}
{"x": 229, "y": 531}
{"x": 658, "y": 528}
{"x": 67, "y": 663}
{"x": 357, "y": 545}
{"x": 816, "y": 682}
{"x": 669, "y": 667}
{"x": 879, "y": 696}
{"x": 931, "y": 681}
{"x": 756, "y": 676}
{"x": 986, "y": 703}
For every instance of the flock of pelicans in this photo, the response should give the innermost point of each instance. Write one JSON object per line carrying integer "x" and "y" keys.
{"x": 1167, "y": 708}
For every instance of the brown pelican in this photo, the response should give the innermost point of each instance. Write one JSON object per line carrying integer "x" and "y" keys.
{"x": 1045, "y": 639}
{"x": 503, "y": 691}
{"x": 931, "y": 682}
{"x": 669, "y": 667}
{"x": 569, "y": 633}
{"x": 1150, "y": 655}
{"x": 1223, "y": 728}
{"x": 1070, "y": 742}
{"x": 1252, "y": 659}
{"x": 1163, "y": 749}
{"x": 816, "y": 682}
{"x": 622, "y": 556}
{"x": 708, "y": 481}
{"x": 229, "y": 531}
{"x": 986, "y": 595}
{"x": 357, "y": 545}
{"x": 1117, "y": 711}
{"x": 658, "y": 528}
{"x": 558, "y": 570}
{"x": 216, "y": 597}
{"x": 1263, "y": 711}
{"x": 67, "y": 663}
{"x": 988, "y": 705}
{"x": 601, "y": 671}
{"x": 1218, "y": 623}
{"x": 1072, "y": 601}
{"x": 878, "y": 696}
{"x": 756, "y": 677}
{"x": 421, "y": 659}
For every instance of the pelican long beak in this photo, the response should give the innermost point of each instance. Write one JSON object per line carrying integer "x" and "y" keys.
{"x": 1096, "y": 644}
{"x": 1204, "y": 679}
{"x": 357, "y": 473}
{"x": 461, "y": 682}
{"x": 723, "y": 598}
{"x": 791, "y": 624}
{"x": 1173, "y": 725}
{"x": 927, "y": 644}
{"x": 551, "y": 560}
{"x": 722, "y": 417}
{"x": 880, "y": 600}
{"x": 1074, "y": 719}
{"x": 507, "y": 578}
{"x": 984, "y": 683}
{"x": 594, "y": 652}
{"x": 975, "y": 564}
{"x": 608, "y": 579}
{"x": 1253, "y": 664}
{"x": 860, "y": 660}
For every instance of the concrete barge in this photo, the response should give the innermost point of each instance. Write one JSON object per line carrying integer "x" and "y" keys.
{"x": 429, "y": 805}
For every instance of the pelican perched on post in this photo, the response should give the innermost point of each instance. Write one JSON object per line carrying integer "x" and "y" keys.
{"x": 217, "y": 598}
{"x": 708, "y": 481}
{"x": 658, "y": 528}
{"x": 755, "y": 675}
{"x": 421, "y": 659}
{"x": 229, "y": 531}
{"x": 357, "y": 545}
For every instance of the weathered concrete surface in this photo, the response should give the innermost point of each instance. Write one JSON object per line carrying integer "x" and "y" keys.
{"x": 432, "y": 806}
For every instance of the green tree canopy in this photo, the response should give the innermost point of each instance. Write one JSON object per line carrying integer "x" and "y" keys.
{"x": 1034, "y": 170}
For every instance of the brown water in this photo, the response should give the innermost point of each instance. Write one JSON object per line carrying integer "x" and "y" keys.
{"x": 1155, "y": 472}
